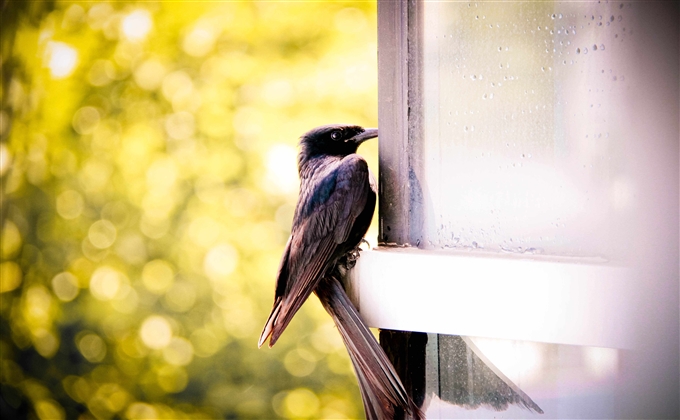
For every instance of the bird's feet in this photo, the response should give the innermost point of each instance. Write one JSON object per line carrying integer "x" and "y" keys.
{"x": 349, "y": 260}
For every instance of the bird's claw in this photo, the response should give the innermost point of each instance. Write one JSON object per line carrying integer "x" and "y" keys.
{"x": 349, "y": 260}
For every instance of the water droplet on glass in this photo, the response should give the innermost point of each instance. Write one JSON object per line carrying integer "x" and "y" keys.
{"x": 553, "y": 16}
{"x": 601, "y": 47}
{"x": 611, "y": 19}
{"x": 585, "y": 51}
{"x": 578, "y": 51}
{"x": 560, "y": 16}
{"x": 594, "y": 47}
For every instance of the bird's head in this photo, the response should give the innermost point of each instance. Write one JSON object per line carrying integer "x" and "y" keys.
{"x": 334, "y": 140}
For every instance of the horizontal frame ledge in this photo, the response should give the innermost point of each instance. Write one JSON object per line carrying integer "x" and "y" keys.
{"x": 564, "y": 301}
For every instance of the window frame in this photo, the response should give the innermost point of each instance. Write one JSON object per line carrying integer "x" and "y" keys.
{"x": 398, "y": 290}
{"x": 400, "y": 286}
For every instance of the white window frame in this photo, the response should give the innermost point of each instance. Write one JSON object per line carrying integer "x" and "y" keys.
{"x": 545, "y": 300}
{"x": 399, "y": 286}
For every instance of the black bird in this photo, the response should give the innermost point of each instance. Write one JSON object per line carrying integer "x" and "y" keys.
{"x": 334, "y": 210}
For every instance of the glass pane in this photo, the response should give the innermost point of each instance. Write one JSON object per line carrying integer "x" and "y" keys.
{"x": 531, "y": 141}
{"x": 490, "y": 378}
{"x": 548, "y": 128}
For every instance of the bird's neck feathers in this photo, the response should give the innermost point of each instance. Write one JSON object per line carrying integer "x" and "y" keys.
{"x": 309, "y": 165}
{"x": 313, "y": 157}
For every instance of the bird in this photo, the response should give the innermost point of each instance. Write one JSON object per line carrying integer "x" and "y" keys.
{"x": 334, "y": 210}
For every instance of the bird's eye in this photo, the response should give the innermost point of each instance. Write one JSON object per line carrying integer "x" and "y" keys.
{"x": 336, "y": 135}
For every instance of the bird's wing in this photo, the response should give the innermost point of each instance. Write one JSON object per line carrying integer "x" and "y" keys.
{"x": 280, "y": 289}
{"x": 323, "y": 222}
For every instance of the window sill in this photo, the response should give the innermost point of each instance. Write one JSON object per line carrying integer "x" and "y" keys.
{"x": 510, "y": 297}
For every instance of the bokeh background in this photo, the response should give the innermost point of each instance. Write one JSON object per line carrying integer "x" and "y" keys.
{"x": 148, "y": 170}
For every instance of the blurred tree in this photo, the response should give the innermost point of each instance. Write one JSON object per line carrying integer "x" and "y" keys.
{"x": 148, "y": 181}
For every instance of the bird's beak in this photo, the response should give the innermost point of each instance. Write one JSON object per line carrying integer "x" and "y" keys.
{"x": 368, "y": 133}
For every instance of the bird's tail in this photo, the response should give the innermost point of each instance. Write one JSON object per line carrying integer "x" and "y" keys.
{"x": 381, "y": 389}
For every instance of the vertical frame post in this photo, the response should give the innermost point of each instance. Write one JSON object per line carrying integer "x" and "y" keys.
{"x": 400, "y": 115}
{"x": 400, "y": 200}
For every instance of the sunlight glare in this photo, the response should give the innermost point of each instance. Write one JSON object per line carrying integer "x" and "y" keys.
{"x": 601, "y": 362}
{"x": 61, "y": 59}
{"x": 156, "y": 332}
{"x": 137, "y": 25}
{"x": 5, "y": 158}
{"x": 282, "y": 174}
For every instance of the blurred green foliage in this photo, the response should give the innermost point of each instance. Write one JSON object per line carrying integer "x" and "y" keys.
{"x": 148, "y": 182}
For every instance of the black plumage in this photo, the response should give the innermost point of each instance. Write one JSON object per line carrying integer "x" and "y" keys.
{"x": 334, "y": 210}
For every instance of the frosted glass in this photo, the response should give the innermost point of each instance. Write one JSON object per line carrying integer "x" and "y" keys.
{"x": 527, "y": 126}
